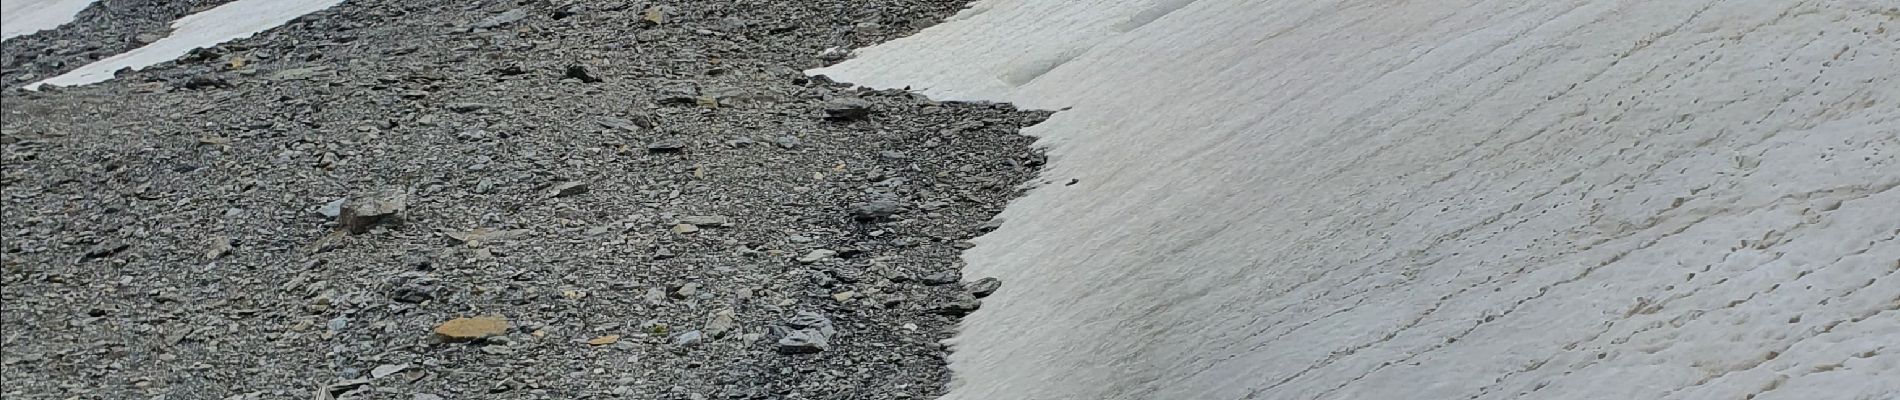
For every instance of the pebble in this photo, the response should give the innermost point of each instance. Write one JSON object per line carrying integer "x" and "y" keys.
{"x": 707, "y": 220}
{"x": 786, "y": 142}
{"x": 386, "y": 370}
{"x": 722, "y": 322}
{"x": 569, "y": 188}
{"x": 337, "y": 324}
{"x": 666, "y": 146}
{"x": 108, "y": 248}
{"x": 816, "y": 256}
{"x": 688, "y": 338}
{"x": 604, "y": 340}
{"x": 876, "y": 209}
{"x": 467, "y": 107}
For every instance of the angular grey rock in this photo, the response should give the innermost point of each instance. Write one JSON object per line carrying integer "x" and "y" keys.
{"x": 721, "y": 324}
{"x": 568, "y": 188}
{"x": 687, "y": 291}
{"x": 467, "y": 107}
{"x": 413, "y": 287}
{"x": 874, "y": 210}
{"x": 581, "y": 73}
{"x": 786, "y": 142}
{"x": 109, "y": 247}
{"x": 847, "y": 109}
{"x": 666, "y": 146}
{"x": 688, "y": 338}
{"x": 346, "y": 386}
{"x": 816, "y": 256}
{"x": 804, "y": 341}
{"x": 706, "y": 220}
{"x": 983, "y": 287}
{"x": 813, "y": 321}
{"x": 386, "y": 370}
{"x": 359, "y": 214}
{"x": 962, "y": 306}
{"x": 332, "y": 208}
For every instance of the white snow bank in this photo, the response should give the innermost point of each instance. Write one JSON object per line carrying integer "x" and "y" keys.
{"x": 1579, "y": 199}
{"x": 20, "y": 17}
{"x": 234, "y": 20}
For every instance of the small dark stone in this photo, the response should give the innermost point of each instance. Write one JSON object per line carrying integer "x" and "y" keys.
{"x": 569, "y": 188}
{"x": 786, "y": 142}
{"x": 510, "y": 70}
{"x": 412, "y": 287}
{"x": 108, "y": 248}
{"x": 581, "y": 73}
{"x": 666, "y": 146}
{"x": 206, "y": 82}
{"x": 467, "y": 107}
{"x": 876, "y": 209}
{"x": 847, "y": 109}
{"x": 942, "y": 278}
{"x": 983, "y": 287}
{"x": 957, "y": 308}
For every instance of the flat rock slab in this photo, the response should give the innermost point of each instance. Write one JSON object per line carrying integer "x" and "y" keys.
{"x": 471, "y": 329}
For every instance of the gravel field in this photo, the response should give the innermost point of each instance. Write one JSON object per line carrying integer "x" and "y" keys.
{"x": 513, "y": 200}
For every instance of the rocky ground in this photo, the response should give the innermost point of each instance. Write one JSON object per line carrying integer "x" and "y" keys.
{"x": 499, "y": 199}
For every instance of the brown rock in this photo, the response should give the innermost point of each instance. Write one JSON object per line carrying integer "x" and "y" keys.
{"x": 604, "y": 340}
{"x": 471, "y": 329}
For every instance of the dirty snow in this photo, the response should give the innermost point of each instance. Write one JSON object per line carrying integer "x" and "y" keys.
{"x": 1580, "y": 199}
{"x": 21, "y": 17}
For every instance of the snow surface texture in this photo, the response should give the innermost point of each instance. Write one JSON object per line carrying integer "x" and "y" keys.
{"x": 20, "y": 17}
{"x": 1575, "y": 199}
{"x": 234, "y": 20}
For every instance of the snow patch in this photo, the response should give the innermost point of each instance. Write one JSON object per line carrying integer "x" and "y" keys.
{"x": 1434, "y": 199}
{"x": 234, "y": 20}
{"x": 21, "y": 17}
